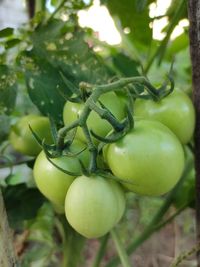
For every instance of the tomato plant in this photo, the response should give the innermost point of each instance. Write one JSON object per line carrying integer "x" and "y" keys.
{"x": 176, "y": 111}
{"x": 56, "y": 60}
{"x": 101, "y": 127}
{"x": 22, "y": 139}
{"x": 150, "y": 157}
{"x": 54, "y": 183}
{"x": 93, "y": 205}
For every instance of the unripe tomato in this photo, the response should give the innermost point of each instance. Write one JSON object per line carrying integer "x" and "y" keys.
{"x": 93, "y": 205}
{"x": 52, "y": 182}
{"x": 23, "y": 140}
{"x": 101, "y": 127}
{"x": 117, "y": 189}
{"x": 176, "y": 111}
{"x": 150, "y": 157}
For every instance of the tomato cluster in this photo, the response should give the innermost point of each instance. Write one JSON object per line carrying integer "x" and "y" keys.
{"x": 148, "y": 159}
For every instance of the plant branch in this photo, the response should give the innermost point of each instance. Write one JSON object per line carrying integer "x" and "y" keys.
{"x": 183, "y": 256}
{"x": 92, "y": 149}
{"x": 56, "y": 10}
{"x": 120, "y": 249}
{"x": 101, "y": 251}
{"x": 162, "y": 47}
{"x": 90, "y": 105}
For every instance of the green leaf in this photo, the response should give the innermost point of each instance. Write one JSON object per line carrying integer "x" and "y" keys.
{"x": 6, "y": 32}
{"x": 44, "y": 249}
{"x": 8, "y": 90}
{"x": 59, "y": 47}
{"x": 54, "y": 2}
{"x": 178, "y": 44}
{"x": 11, "y": 43}
{"x": 133, "y": 16}
{"x": 43, "y": 84}
{"x": 63, "y": 45}
{"x": 4, "y": 126}
{"x": 126, "y": 65}
{"x": 42, "y": 226}
{"x": 22, "y": 203}
{"x": 141, "y": 4}
{"x": 173, "y": 8}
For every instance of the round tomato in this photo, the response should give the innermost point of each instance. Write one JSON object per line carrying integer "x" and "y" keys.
{"x": 149, "y": 157}
{"x": 52, "y": 182}
{"x": 93, "y": 205}
{"x": 101, "y": 127}
{"x": 176, "y": 111}
{"x": 23, "y": 140}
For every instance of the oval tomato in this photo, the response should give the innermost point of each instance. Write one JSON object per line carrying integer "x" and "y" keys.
{"x": 52, "y": 182}
{"x": 101, "y": 127}
{"x": 23, "y": 140}
{"x": 93, "y": 205}
{"x": 176, "y": 111}
{"x": 150, "y": 157}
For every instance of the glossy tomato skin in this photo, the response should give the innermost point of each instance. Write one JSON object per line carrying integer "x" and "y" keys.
{"x": 150, "y": 157}
{"x": 176, "y": 111}
{"x": 119, "y": 194}
{"x": 101, "y": 127}
{"x": 22, "y": 139}
{"x": 52, "y": 182}
{"x": 93, "y": 205}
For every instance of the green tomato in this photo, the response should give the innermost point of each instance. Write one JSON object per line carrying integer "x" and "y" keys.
{"x": 94, "y": 205}
{"x": 176, "y": 111}
{"x": 52, "y": 182}
{"x": 101, "y": 127}
{"x": 149, "y": 157}
{"x": 23, "y": 140}
{"x": 117, "y": 189}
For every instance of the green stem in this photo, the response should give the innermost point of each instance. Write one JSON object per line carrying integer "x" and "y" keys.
{"x": 161, "y": 49}
{"x": 101, "y": 251}
{"x": 62, "y": 133}
{"x": 92, "y": 149}
{"x": 56, "y": 10}
{"x": 40, "y": 6}
{"x": 72, "y": 243}
{"x": 120, "y": 249}
{"x": 60, "y": 228}
{"x": 107, "y": 115}
{"x": 93, "y": 98}
{"x": 125, "y": 81}
{"x": 90, "y": 105}
{"x": 150, "y": 229}
{"x": 162, "y": 224}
